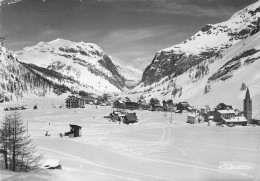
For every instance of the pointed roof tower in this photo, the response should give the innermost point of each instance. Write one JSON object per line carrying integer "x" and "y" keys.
{"x": 247, "y": 94}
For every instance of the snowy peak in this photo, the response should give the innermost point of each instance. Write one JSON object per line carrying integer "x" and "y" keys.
{"x": 67, "y": 48}
{"x": 84, "y": 62}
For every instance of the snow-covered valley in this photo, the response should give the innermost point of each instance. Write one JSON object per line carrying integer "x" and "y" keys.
{"x": 215, "y": 65}
{"x": 155, "y": 148}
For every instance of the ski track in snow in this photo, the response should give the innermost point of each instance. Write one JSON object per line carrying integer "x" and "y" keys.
{"x": 103, "y": 166}
{"x": 164, "y": 140}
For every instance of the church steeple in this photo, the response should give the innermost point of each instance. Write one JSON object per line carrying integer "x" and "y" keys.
{"x": 247, "y": 94}
{"x": 248, "y": 107}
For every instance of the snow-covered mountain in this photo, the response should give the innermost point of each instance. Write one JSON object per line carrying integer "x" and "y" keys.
{"x": 211, "y": 66}
{"x": 210, "y": 41}
{"x": 18, "y": 81}
{"x": 132, "y": 74}
{"x": 86, "y": 63}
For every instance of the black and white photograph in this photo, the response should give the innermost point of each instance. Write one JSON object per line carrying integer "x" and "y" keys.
{"x": 130, "y": 90}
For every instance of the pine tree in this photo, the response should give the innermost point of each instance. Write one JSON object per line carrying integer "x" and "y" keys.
{"x": 19, "y": 153}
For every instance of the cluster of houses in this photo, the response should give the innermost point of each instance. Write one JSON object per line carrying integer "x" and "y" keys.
{"x": 225, "y": 114}
{"x": 123, "y": 116}
{"x": 16, "y": 108}
{"x": 76, "y": 101}
{"x": 168, "y": 106}
{"x": 222, "y": 113}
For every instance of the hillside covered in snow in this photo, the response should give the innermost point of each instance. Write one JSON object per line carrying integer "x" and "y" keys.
{"x": 209, "y": 42}
{"x": 84, "y": 62}
{"x": 210, "y": 66}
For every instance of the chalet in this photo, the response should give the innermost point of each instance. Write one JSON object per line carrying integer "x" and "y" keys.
{"x": 182, "y": 106}
{"x": 130, "y": 118}
{"x": 222, "y": 106}
{"x": 203, "y": 110}
{"x": 169, "y": 106}
{"x": 124, "y": 117}
{"x": 156, "y": 107}
{"x": 74, "y": 102}
{"x": 195, "y": 118}
{"x": 117, "y": 116}
{"x": 219, "y": 115}
{"x": 118, "y": 104}
{"x": 241, "y": 120}
{"x": 75, "y": 131}
{"x": 131, "y": 105}
{"x": 144, "y": 106}
{"x": 89, "y": 100}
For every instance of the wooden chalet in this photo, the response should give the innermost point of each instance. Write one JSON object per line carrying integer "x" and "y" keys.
{"x": 219, "y": 115}
{"x": 156, "y": 107}
{"x": 124, "y": 117}
{"x": 183, "y": 106}
{"x": 131, "y": 105}
{"x": 74, "y": 102}
{"x": 169, "y": 106}
{"x": 75, "y": 131}
{"x": 222, "y": 106}
{"x": 117, "y": 116}
{"x": 130, "y": 118}
{"x": 89, "y": 100}
{"x": 118, "y": 104}
{"x": 144, "y": 106}
{"x": 241, "y": 120}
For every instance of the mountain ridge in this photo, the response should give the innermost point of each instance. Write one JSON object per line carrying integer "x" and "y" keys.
{"x": 210, "y": 41}
{"x": 85, "y": 62}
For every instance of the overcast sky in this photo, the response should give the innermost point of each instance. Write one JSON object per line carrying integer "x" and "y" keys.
{"x": 131, "y": 30}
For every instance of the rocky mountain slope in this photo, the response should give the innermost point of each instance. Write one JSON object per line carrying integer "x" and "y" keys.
{"x": 210, "y": 41}
{"x": 83, "y": 62}
{"x": 211, "y": 66}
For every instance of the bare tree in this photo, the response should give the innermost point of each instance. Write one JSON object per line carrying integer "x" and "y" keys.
{"x": 19, "y": 153}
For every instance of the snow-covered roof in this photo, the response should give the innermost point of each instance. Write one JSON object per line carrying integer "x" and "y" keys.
{"x": 50, "y": 163}
{"x": 226, "y": 111}
{"x": 236, "y": 119}
{"x": 211, "y": 117}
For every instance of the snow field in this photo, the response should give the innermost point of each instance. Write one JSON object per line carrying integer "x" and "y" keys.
{"x": 152, "y": 149}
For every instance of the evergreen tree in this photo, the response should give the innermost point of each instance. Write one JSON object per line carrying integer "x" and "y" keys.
{"x": 19, "y": 153}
